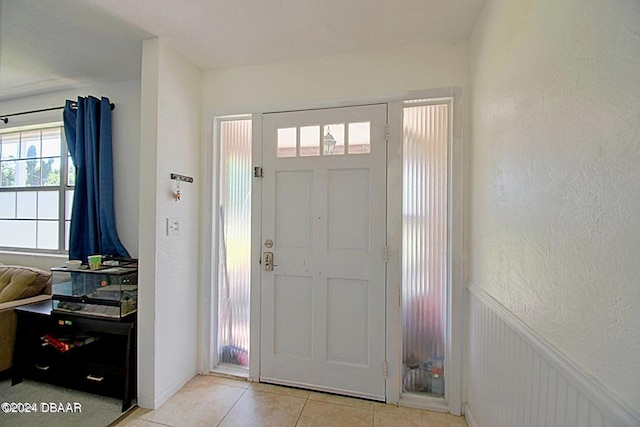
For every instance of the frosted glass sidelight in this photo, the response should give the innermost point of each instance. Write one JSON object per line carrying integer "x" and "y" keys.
{"x": 234, "y": 241}
{"x": 424, "y": 251}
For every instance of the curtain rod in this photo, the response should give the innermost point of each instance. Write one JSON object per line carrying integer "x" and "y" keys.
{"x": 5, "y": 117}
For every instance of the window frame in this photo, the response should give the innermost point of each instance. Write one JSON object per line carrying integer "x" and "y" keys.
{"x": 62, "y": 189}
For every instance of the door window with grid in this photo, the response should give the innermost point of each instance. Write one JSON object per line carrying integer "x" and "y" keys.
{"x": 36, "y": 189}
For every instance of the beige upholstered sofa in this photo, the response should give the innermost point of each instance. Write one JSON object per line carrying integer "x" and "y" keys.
{"x": 18, "y": 286}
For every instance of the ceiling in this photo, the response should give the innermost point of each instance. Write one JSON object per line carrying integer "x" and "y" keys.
{"x": 48, "y": 45}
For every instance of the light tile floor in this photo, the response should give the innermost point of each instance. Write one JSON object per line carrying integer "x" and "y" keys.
{"x": 217, "y": 401}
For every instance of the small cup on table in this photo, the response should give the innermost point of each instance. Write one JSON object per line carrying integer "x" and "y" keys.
{"x": 95, "y": 261}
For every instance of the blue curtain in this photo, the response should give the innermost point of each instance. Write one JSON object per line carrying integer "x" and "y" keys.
{"x": 88, "y": 132}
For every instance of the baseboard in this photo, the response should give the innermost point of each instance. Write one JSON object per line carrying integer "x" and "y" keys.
{"x": 468, "y": 416}
{"x": 166, "y": 395}
{"x": 515, "y": 376}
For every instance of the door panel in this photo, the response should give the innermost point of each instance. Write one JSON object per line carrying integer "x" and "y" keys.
{"x": 323, "y": 195}
{"x": 347, "y": 342}
{"x": 293, "y": 298}
{"x": 294, "y": 210}
{"x": 348, "y": 218}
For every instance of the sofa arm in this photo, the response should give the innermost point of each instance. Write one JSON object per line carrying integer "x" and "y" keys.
{"x": 8, "y": 322}
{"x": 24, "y": 301}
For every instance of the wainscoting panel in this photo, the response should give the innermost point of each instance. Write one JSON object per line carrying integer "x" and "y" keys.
{"x": 517, "y": 379}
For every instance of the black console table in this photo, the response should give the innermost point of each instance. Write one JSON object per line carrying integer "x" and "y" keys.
{"x": 105, "y": 366}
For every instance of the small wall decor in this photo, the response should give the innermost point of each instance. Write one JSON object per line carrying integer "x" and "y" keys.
{"x": 178, "y": 178}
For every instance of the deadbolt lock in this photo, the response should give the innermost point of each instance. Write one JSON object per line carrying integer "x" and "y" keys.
{"x": 267, "y": 261}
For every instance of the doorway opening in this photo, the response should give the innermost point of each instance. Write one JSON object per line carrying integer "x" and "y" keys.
{"x": 307, "y": 168}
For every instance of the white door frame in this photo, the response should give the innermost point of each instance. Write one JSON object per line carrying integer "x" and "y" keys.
{"x": 320, "y": 348}
{"x": 455, "y": 323}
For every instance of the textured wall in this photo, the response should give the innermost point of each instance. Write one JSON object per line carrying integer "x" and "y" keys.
{"x": 177, "y": 257}
{"x": 168, "y": 276}
{"x": 555, "y": 179}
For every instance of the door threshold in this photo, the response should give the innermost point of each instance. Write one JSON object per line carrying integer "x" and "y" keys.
{"x": 437, "y": 404}
{"x": 321, "y": 389}
{"x": 230, "y": 372}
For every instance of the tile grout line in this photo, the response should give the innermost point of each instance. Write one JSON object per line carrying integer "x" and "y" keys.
{"x": 303, "y": 406}
{"x": 156, "y": 423}
{"x": 344, "y": 404}
{"x": 232, "y": 406}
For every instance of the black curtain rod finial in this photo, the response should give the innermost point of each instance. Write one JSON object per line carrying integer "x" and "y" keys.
{"x": 5, "y": 117}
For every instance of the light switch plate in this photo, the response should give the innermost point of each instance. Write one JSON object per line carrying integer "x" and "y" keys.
{"x": 173, "y": 226}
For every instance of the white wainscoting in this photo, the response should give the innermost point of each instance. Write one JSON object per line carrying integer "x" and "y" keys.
{"x": 517, "y": 379}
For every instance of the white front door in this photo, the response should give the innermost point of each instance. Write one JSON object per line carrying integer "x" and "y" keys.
{"x": 323, "y": 303}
